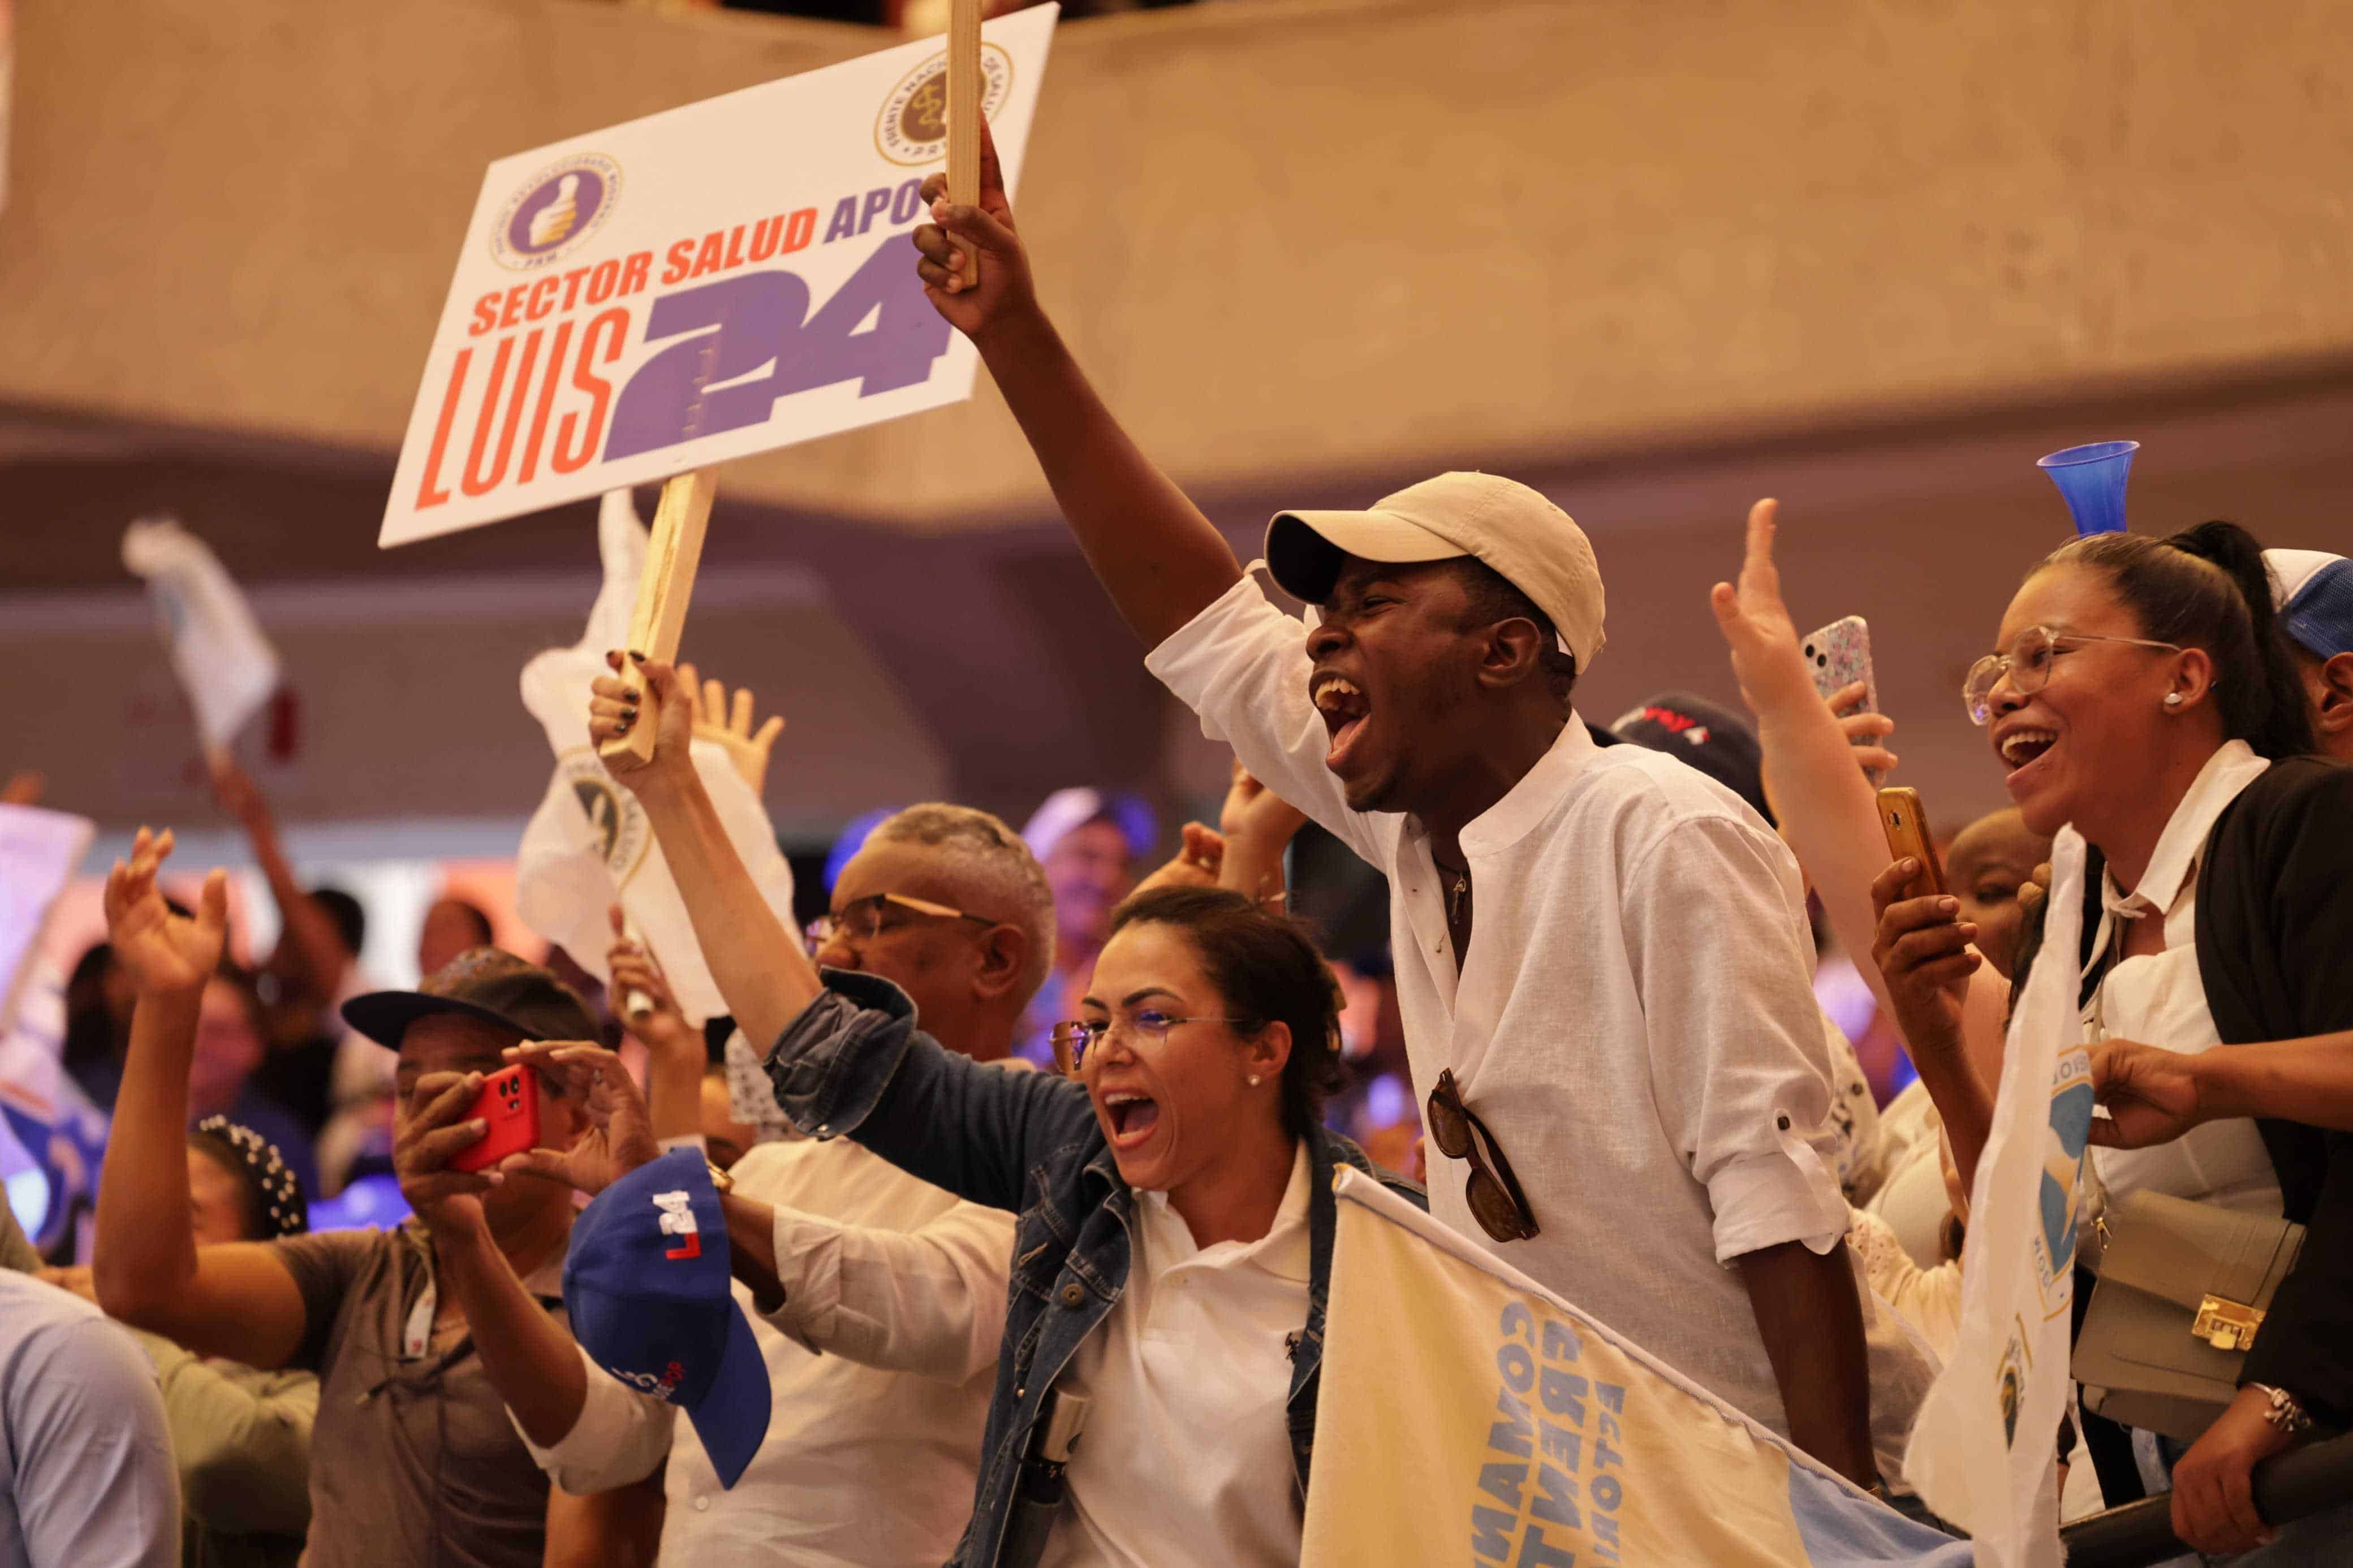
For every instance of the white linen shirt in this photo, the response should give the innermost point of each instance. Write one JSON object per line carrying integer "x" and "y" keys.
{"x": 2159, "y": 999}
{"x": 1634, "y": 1019}
{"x": 1185, "y": 1457}
{"x": 869, "y": 1462}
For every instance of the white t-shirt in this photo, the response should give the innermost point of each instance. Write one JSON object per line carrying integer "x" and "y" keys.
{"x": 869, "y": 1462}
{"x": 1185, "y": 1457}
{"x": 1635, "y": 1020}
{"x": 2159, "y": 999}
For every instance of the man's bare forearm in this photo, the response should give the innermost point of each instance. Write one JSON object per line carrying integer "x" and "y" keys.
{"x": 529, "y": 1357}
{"x": 1162, "y": 561}
{"x": 1811, "y": 1321}
{"x": 758, "y": 966}
{"x": 145, "y": 1248}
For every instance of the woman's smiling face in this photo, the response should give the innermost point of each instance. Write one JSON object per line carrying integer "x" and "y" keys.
{"x": 1168, "y": 1107}
{"x": 2102, "y": 705}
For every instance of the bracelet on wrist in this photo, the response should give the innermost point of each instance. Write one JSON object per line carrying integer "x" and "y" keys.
{"x": 2287, "y": 1412}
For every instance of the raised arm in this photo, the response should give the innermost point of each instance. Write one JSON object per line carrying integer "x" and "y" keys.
{"x": 1162, "y": 560}
{"x": 675, "y": 1053}
{"x": 930, "y": 1300}
{"x": 758, "y": 966}
{"x": 235, "y": 1299}
{"x": 1813, "y": 774}
{"x": 311, "y": 934}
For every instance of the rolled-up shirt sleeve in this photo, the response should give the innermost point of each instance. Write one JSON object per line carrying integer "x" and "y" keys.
{"x": 1242, "y": 665}
{"x": 1738, "y": 1063}
{"x": 622, "y": 1436}
{"x": 930, "y": 1300}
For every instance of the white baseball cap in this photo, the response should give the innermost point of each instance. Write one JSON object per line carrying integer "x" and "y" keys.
{"x": 1532, "y": 544}
{"x": 2313, "y": 591}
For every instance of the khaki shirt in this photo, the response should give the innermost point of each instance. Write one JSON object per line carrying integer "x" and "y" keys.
{"x": 415, "y": 1461}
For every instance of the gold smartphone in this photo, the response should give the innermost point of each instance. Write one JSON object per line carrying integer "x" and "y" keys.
{"x": 1906, "y": 826}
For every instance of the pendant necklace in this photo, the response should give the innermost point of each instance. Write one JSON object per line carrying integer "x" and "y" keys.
{"x": 1454, "y": 895}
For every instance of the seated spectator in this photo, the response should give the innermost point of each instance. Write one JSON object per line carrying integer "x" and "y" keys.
{"x": 86, "y": 1478}
{"x": 415, "y": 1459}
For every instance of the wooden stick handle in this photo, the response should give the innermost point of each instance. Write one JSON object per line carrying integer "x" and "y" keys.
{"x": 671, "y": 556}
{"x": 636, "y": 1005}
{"x": 965, "y": 89}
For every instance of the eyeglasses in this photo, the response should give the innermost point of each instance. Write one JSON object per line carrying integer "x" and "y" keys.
{"x": 861, "y": 920}
{"x": 2028, "y": 664}
{"x": 1074, "y": 1039}
{"x": 1496, "y": 1201}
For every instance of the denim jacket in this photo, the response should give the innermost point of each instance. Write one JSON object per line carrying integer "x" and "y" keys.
{"x": 854, "y": 1064}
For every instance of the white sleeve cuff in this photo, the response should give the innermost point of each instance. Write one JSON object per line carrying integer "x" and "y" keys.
{"x": 808, "y": 1265}
{"x": 622, "y": 1436}
{"x": 1765, "y": 1200}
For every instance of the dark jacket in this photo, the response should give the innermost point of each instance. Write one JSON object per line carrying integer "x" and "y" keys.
{"x": 2275, "y": 960}
{"x": 854, "y": 1064}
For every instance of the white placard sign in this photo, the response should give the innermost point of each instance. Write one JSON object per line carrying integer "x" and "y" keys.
{"x": 699, "y": 285}
{"x": 39, "y": 852}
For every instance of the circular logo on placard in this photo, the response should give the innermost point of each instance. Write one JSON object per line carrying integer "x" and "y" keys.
{"x": 913, "y": 128}
{"x": 556, "y": 209}
{"x": 616, "y": 823}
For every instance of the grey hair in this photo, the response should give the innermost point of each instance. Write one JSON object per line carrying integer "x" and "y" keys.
{"x": 988, "y": 856}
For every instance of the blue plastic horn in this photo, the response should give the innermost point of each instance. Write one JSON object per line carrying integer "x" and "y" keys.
{"x": 2091, "y": 479}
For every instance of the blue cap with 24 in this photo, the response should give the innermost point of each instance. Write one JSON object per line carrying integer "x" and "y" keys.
{"x": 647, "y": 1290}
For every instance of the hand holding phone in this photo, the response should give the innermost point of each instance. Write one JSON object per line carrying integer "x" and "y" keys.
{"x": 1906, "y": 826}
{"x": 508, "y": 1108}
{"x": 1839, "y": 656}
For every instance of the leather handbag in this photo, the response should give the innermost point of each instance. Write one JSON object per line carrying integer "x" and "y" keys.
{"x": 2182, "y": 1289}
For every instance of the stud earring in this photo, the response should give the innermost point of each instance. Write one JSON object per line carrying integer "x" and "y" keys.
{"x": 1253, "y": 1080}
{"x": 2173, "y": 700}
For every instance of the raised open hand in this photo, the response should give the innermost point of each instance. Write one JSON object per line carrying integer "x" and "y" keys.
{"x": 1256, "y": 813}
{"x": 1002, "y": 291}
{"x": 729, "y": 727}
{"x": 620, "y": 1132}
{"x": 1756, "y": 623}
{"x": 162, "y": 951}
{"x": 1867, "y": 733}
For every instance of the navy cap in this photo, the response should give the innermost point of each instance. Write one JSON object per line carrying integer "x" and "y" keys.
{"x": 1713, "y": 739}
{"x": 647, "y": 1290}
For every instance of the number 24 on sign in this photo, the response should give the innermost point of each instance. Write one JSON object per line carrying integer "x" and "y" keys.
{"x": 743, "y": 342}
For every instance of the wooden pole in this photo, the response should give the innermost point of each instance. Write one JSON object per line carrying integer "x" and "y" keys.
{"x": 672, "y": 554}
{"x": 966, "y": 86}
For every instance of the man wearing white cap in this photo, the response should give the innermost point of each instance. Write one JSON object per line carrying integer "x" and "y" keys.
{"x": 1625, "y": 1074}
{"x": 2313, "y": 592}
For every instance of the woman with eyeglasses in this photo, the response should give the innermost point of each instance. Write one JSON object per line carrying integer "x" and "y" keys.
{"x": 1155, "y": 1392}
{"x": 2141, "y": 696}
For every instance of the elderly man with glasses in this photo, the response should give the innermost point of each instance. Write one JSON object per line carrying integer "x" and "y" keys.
{"x": 879, "y": 1299}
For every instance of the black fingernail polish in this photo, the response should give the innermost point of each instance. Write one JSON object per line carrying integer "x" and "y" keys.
{"x": 636, "y": 655}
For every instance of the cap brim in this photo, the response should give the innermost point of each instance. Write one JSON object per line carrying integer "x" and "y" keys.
{"x": 1305, "y": 549}
{"x": 732, "y": 1419}
{"x": 385, "y": 1015}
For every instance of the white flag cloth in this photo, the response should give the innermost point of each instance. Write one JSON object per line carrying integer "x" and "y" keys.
{"x": 589, "y": 845}
{"x": 1985, "y": 1451}
{"x": 41, "y": 1109}
{"x": 217, "y": 650}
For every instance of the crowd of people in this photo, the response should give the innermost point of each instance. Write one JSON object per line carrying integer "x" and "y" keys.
{"x": 993, "y": 1224}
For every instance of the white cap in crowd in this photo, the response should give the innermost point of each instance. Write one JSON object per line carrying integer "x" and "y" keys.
{"x": 2313, "y": 593}
{"x": 1532, "y": 544}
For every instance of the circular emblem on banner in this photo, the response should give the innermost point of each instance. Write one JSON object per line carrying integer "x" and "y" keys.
{"x": 913, "y": 128}
{"x": 616, "y": 823}
{"x": 555, "y": 210}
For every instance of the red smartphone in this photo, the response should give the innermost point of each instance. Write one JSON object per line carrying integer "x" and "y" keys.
{"x": 509, "y": 1108}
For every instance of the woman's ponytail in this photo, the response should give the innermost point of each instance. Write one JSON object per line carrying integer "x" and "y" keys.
{"x": 2267, "y": 708}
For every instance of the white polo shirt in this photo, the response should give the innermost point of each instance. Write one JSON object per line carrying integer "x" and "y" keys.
{"x": 1635, "y": 1020}
{"x": 1185, "y": 1459}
